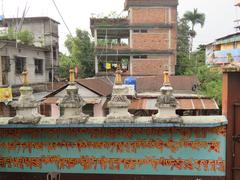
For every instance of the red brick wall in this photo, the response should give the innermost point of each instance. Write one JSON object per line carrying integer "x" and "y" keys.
{"x": 149, "y": 15}
{"x": 150, "y": 67}
{"x": 153, "y": 15}
{"x": 150, "y": 41}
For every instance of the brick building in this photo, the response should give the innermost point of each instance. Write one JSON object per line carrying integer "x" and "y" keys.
{"x": 143, "y": 43}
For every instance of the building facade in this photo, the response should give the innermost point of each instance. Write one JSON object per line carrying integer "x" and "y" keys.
{"x": 14, "y": 60}
{"x": 143, "y": 43}
{"x": 40, "y": 57}
{"x": 224, "y": 50}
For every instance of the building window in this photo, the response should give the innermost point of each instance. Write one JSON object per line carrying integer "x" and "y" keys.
{"x": 140, "y": 57}
{"x": 20, "y": 63}
{"x": 140, "y": 30}
{"x": 38, "y": 66}
{"x": 54, "y": 53}
{"x": 5, "y": 64}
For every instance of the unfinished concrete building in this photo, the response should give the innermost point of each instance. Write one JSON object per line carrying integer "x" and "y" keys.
{"x": 143, "y": 43}
{"x": 41, "y": 56}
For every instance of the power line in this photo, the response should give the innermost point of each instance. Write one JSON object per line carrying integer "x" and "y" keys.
{"x": 62, "y": 17}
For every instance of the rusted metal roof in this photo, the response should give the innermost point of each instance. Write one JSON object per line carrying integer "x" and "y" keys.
{"x": 97, "y": 85}
{"x": 184, "y": 104}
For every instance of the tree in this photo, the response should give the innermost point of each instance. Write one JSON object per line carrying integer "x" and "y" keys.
{"x": 183, "y": 31}
{"x": 81, "y": 53}
{"x": 194, "y": 18}
{"x": 66, "y": 62}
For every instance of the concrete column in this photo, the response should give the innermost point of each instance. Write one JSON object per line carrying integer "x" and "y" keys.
{"x": 131, "y": 38}
{"x": 96, "y": 64}
{"x": 95, "y": 37}
{"x": 131, "y": 65}
{"x": 1, "y": 80}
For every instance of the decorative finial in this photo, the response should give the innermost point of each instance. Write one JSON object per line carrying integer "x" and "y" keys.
{"x": 166, "y": 78}
{"x": 25, "y": 78}
{"x": 118, "y": 76}
{"x": 72, "y": 76}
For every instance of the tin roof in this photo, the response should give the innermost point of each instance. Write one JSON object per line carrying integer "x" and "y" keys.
{"x": 184, "y": 104}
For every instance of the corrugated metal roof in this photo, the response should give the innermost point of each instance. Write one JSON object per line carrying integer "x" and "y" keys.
{"x": 184, "y": 104}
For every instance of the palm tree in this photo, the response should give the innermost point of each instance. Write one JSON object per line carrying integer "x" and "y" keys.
{"x": 194, "y": 18}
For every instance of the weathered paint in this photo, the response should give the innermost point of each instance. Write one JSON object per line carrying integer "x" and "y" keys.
{"x": 139, "y": 151}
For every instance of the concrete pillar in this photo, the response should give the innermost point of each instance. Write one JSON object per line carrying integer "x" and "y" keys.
{"x": 131, "y": 65}
{"x": 131, "y": 39}
{"x": 1, "y": 78}
{"x": 96, "y": 65}
{"x": 95, "y": 37}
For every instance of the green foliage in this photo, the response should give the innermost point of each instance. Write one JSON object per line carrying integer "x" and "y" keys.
{"x": 210, "y": 83}
{"x": 66, "y": 62}
{"x": 194, "y": 18}
{"x": 193, "y": 63}
{"x": 81, "y": 53}
{"x": 25, "y": 37}
{"x": 182, "y": 46}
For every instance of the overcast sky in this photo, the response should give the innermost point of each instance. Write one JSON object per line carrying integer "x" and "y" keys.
{"x": 220, "y": 14}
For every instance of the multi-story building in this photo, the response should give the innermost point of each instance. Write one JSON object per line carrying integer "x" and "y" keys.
{"x": 143, "y": 43}
{"x": 40, "y": 57}
{"x": 224, "y": 50}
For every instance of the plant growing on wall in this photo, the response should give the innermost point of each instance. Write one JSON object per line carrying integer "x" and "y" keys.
{"x": 26, "y": 37}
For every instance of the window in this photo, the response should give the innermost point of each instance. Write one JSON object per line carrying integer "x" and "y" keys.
{"x": 136, "y": 30}
{"x": 5, "y": 64}
{"x": 140, "y": 30}
{"x": 54, "y": 53}
{"x": 38, "y": 66}
{"x": 20, "y": 63}
{"x": 140, "y": 57}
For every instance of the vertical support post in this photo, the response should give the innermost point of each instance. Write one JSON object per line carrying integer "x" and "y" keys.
{"x": 1, "y": 74}
{"x": 230, "y": 96}
{"x": 131, "y": 65}
{"x": 95, "y": 37}
{"x": 96, "y": 64}
{"x": 51, "y": 34}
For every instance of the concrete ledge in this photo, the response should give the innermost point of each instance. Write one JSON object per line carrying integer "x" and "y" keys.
{"x": 144, "y": 122}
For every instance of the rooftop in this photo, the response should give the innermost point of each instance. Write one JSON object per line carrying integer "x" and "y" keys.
{"x": 149, "y": 3}
{"x": 37, "y": 18}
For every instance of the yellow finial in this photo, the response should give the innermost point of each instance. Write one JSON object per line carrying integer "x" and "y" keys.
{"x": 25, "y": 78}
{"x": 72, "y": 76}
{"x": 166, "y": 78}
{"x": 118, "y": 76}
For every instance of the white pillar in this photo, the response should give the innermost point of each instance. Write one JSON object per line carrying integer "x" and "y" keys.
{"x": 1, "y": 82}
{"x": 96, "y": 64}
{"x": 131, "y": 65}
{"x": 95, "y": 37}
